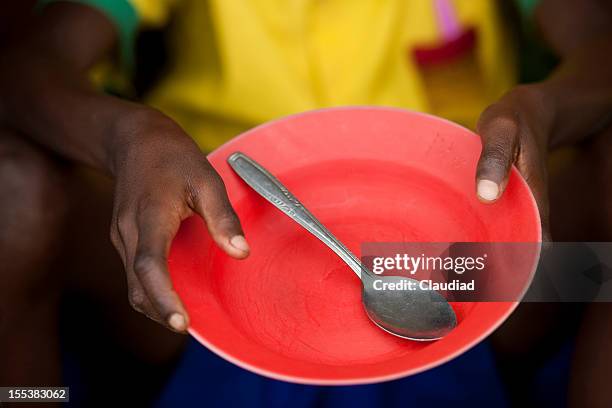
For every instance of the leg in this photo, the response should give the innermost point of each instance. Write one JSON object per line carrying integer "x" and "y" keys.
{"x": 53, "y": 239}
{"x": 592, "y": 360}
{"x": 578, "y": 181}
{"x": 129, "y": 349}
{"x": 32, "y": 206}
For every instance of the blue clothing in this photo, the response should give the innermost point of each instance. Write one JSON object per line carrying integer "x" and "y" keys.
{"x": 204, "y": 380}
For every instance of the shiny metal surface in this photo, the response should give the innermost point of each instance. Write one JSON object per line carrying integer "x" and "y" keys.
{"x": 415, "y": 314}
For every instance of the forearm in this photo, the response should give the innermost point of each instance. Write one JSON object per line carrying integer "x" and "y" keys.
{"x": 45, "y": 93}
{"x": 581, "y": 90}
{"x": 581, "y": 87}
{"x": 53, "y": 105}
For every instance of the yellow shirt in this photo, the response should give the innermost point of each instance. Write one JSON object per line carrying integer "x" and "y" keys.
{"x": 238, "y": 63}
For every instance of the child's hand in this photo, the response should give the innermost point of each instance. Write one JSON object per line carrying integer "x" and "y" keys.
{"x": 162, "y": 178}
{"x": 516, "y": 130}
{"x": 572, "y": 105}
{"x": 161, "y": 175}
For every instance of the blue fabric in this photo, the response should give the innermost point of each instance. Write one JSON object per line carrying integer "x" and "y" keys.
{"x": 550, "y": 385}
{"x": 203, "y": 379}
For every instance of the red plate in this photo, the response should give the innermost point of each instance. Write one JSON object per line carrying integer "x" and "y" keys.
{"x": 292, "y": 310}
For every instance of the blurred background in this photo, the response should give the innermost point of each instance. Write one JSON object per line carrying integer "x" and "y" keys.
{"x": 199, "y": 378}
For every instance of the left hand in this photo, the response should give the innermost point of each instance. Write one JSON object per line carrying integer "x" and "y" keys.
{"x": 516, "y": 130}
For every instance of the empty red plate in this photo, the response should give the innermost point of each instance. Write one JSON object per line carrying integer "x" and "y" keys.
{"x": 292, "y": 310}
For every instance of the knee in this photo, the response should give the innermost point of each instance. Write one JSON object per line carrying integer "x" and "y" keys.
{"x": 33, "y": 205}
{"x": 580, "y": 190}
{"x": 31, "y": 183}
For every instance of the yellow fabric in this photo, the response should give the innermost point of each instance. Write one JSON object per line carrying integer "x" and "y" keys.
{"x": 153, "y": 13}
{"x": 238, "y": 63}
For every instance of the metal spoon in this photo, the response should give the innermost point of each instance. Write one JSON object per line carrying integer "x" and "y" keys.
{"x": 415, "y": 314}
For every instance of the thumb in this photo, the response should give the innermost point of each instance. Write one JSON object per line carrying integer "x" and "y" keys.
{"x": 213, "y": 205}
{"x": 499, "y": 133}
{"x": 513, "y": 131}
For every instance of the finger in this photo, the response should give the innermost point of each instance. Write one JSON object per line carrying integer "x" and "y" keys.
{"x": 210, "y": 201}
{"x": 499, "y": 131}
{"x": 125, "y": 235}
{"x": 117, "y": 240}
{"x": 537, "y": 178}
{"x": 157, "y": 226}
{"x": 139, "y": 299}
{"x": 506, "y": 130}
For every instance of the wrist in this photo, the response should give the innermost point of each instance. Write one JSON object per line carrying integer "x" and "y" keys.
{"x": 143, "y": 131}
{"x": 537, "y": 107}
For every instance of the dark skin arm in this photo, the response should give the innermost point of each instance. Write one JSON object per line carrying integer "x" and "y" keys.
{"x": 570, "y": 106}
{"x": 161, "y": 176}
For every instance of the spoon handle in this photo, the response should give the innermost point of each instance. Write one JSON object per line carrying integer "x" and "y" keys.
{"x": 272, "y": 190}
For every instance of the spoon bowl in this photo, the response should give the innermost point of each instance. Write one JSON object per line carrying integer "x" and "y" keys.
{"x": 414, "y": 314}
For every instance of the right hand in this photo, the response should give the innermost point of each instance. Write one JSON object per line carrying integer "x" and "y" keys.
{"x": 162, "y": 178}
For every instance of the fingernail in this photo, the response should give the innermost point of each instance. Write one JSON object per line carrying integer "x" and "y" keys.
{"x": 488, "y": 190}
{"x": 240, "y": 243}
{"x": 177, "y": 322}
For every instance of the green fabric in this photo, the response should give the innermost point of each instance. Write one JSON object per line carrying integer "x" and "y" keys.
{"x": 527, "y": 7}
{"x": 124, "y": 17}
{"x": 536, "y": 60}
